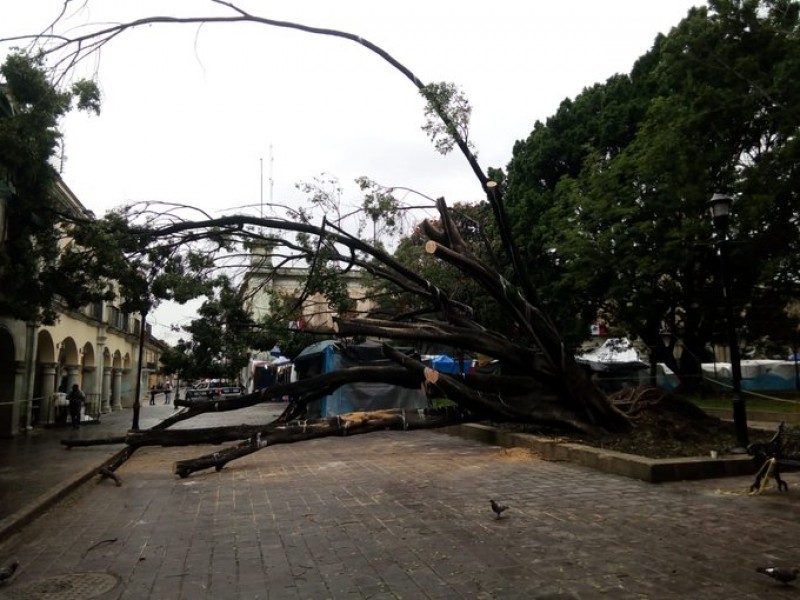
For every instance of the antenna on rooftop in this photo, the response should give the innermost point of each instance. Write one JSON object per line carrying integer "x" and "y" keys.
{"x": 261, "y": 191}
{"x": 271, "y": 184}
{"x": 271, "y": 181}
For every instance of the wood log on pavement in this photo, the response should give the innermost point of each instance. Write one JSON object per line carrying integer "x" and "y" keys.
{"x": 320, "y": 385}
{"x": 174, "y": 437}
{"x": 345, "y": 424}
{"x": 69, "y": 444}
{"x": 106, "y": 473}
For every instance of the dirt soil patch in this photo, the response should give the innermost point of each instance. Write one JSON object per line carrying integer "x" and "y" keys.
{"x": 664, "y": 426}
{"x": 518, "y": 454}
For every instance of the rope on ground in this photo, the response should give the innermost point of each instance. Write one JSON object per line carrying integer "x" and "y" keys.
{"x": 749, "y": 392}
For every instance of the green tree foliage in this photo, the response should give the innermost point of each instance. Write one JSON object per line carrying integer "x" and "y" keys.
{"x": 125, "y": 257}
{"x": 608, "y": 197}
{"x": 31, "y": 274}
{"x": 284, "y": 327}
{"x": 477, "y": 226}
{"x": 447, "y": 115}
{"x": 177, "y": 360}
{"x": 382, "y": 209}
{"x": 222, "y": 336}
{"x": 53, "y": 250}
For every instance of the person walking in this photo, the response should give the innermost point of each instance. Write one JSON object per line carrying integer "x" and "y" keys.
{"x": 167, "y": 393}
{"x": 153, "y": 396}
{"x": 76, "y": 399}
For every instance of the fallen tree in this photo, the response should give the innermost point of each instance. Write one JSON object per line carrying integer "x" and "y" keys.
{"x": 540, "y": 382}
{"x": 345, "y": 424}
{"x": 257, "y": 437}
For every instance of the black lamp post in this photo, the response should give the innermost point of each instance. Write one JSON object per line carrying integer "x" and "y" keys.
{"x": 720, "y": 208}
{"x": 138, "y": 390}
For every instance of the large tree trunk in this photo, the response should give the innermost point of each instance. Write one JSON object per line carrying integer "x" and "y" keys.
{"x": 344, "y": 425}
{"x": 301, "y": 392}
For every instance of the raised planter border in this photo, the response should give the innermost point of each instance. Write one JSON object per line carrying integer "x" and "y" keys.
{"x": 652, "y": 470}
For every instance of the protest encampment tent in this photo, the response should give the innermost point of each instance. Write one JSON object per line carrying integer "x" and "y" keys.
{"x": 332, "y": 355}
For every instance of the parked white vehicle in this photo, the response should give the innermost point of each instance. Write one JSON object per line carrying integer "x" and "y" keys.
{"x": 213, "y": 390}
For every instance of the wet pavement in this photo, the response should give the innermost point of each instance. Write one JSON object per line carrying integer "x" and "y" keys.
{"x": 36, "y": 468}
{"x": 397, "y": 515}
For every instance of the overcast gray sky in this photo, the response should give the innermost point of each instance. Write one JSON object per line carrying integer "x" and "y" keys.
{"x": 191, "y": 113}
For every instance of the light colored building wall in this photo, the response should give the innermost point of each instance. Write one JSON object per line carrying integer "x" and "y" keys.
{"x": 41, "y": 361}
{"x": 264, "y": 282}
{"x": 96, "y": 347}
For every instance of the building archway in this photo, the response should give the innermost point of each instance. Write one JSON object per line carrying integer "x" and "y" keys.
{"x": 116, "y": 381}
{"x": 105, "y": 392}
{"x": 45, "y": 380}
{"x": 129, "y": 379}
{"x": 89, "y": 378}
{"x": 68, "y": 364}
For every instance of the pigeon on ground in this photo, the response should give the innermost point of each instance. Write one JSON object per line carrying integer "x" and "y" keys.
{"x": 7, "y": 572}
{"x": 783, "y": 574}
{"x": 497, "y": 508}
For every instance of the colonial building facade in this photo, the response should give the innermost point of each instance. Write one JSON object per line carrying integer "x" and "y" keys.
{"x": 263, "y": 282}
{"x": 96, "y": 347}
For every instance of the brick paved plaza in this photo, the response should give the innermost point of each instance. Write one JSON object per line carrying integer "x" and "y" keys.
{"x": 406, "y": 515}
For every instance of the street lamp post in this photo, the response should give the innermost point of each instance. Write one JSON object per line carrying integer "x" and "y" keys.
{"x": 138, "y": 390}
{"x": 720, "y": 208}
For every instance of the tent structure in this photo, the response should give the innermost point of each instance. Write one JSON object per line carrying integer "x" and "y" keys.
{"x": 758, "y": 375}
{"x": 615, "y": 354}
{"x": 331, "y": 355}
{"x": 614, "y": 364}
{"x": 265, "y": 370}
{"x": 447, "y": 364}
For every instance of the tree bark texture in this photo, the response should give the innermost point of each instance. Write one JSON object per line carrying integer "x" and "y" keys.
{"x": 341, "y": 425}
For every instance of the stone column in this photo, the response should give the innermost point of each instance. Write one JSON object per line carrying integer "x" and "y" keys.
{"x": 47, "y": 409}
{"x": 99, "y": 380}
{"x": 72, "y": 376}
{"x": 105, "y": 394}
{"x": 90, "y": 384}
{"x": 19, "y": 408}
{"x": 127, "y": 400}
{"x": 116, "y": 395}
{"x": 31, "y": 344}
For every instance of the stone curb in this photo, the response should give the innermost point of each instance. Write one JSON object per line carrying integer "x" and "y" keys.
{"x": 16, "y": 521}
{"x": 652, "y": 470}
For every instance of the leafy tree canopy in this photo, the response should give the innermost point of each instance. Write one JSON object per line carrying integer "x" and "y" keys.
{"x": 31, "y": 272}
{"x": 609, "y": 196}
{"x": 222, "y": 336}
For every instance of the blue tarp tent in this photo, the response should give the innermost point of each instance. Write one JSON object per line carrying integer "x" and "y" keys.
{"x": 447, "y": 364}
{"x": 757, "y": 374}
{"x": 330, "y": 355}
